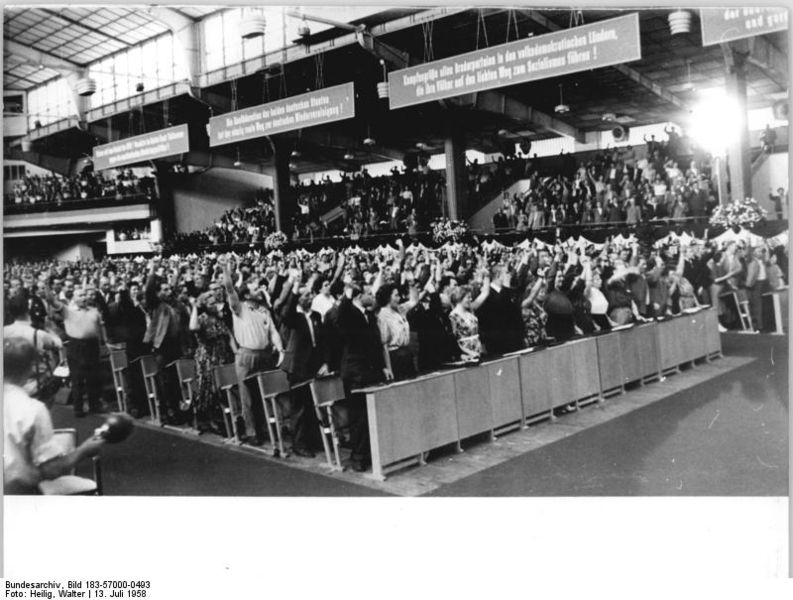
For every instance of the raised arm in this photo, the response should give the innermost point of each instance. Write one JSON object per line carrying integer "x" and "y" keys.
{"x": 535, "y": 290}
{"x": 480, "y": 299}
{"x": 193, "y": 325}
{"x": 681, "y": 261}
{"x": 231, "y": 293}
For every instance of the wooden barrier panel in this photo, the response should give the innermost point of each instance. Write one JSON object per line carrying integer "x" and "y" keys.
{"x": 639, "y": 352}
{"x": 669, "y": 344}
{"x": 505, "y": 396}
{"x": 609, "y": 362}
{"x": 474, "y": 410}
{"x": 586, "y": 381}
{"x": 688, "y": 337}
{"x": 696, "y": 336}
{"x": 436, "y": 404}
{"x": 394, "y": 429}
{"x": 561, "y": 375}
{"x": 536, "y": 388}
{"x": 712, "y": 336}
{"x": 409, "y": 418}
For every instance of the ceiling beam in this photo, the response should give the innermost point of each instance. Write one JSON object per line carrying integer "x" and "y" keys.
{"x": 766, "y": 57}
{"x": 496, "y": 102}
{"x": 174, "y": 19}
{"x": 629, "y": 72}
{"x": 82, "y": 25}
{"x": 393, "y": 57}
{"x": 326, "y": 139}
{"x": 32, "y": 56}
{"x": 297, "y": 52}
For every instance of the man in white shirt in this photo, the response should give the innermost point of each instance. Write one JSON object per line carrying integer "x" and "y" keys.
{"x": 83, "y": 325}
{"x": 260, "y": 347}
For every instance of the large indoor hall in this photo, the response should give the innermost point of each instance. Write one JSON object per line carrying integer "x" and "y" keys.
{"x": 359, "y": 252}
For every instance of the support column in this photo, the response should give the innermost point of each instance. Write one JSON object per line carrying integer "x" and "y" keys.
{"x": 739, "y": 152}
{"x": 719, "y": 179}
{"x": 281, "y": 181}
{"x": 456, "y": 173}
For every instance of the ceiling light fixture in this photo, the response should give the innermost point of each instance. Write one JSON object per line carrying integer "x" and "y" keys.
{"x": 85, "y": 86}
{"x": 253, "y": 23}
{"x": 679, "y": 22}
{"x": 382, "y": 86}
{"x": 561, "y": 108}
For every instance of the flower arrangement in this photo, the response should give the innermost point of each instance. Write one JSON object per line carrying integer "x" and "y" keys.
{"x": 275, "y": 241}
{"x": 446, "y": 230}
{"x": 745, "y": 213}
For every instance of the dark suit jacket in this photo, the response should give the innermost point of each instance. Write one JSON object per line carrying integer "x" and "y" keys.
{"x": 362, "y": 353}
{"x": 302, "y": 359}
{"x": 500, "y": 326}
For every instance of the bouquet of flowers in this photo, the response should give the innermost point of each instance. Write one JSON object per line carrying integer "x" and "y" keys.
{"x": 746, "y": 213}
{"x": 275, "y": 241}
{"x": 446, "y": 230}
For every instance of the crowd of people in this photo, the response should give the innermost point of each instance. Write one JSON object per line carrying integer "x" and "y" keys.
{"x": 56, "y": 189}
{"x": 240, "y": 225}
{"x": 359, "y": 205}
{"x": 370, "y": 315}
{"x": 125, "y": 234}
{"x": 402, "y": 202}
{"x": 662, "y": 181}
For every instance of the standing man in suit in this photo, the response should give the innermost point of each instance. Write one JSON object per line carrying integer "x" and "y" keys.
{"x": 361, "y": 364}
{"x": 164, "y": 334}
{"x": 305, "y": 357}
{"x": 500, "y": 325}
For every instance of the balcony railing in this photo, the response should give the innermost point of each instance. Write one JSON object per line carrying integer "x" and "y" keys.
{"x": 11, "y": 208}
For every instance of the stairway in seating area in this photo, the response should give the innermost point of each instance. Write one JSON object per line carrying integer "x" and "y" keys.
{"x": 482, "y": 219}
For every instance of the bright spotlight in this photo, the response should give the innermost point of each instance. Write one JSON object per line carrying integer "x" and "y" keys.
{"x": 715, "y": 123}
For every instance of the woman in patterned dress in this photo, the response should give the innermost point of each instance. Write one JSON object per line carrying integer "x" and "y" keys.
{"x": 214, "y": 349}
{"x": 465, "y": 324}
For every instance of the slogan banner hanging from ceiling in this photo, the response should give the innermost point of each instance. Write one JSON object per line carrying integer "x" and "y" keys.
{"x": 600, "y": 44}
{"x": 721, "y": 25}
{"x": 140, "y": 148}
{"x": 296, "y": 112}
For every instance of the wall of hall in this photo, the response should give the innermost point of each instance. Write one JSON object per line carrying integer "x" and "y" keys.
{"x": 57, "y": 247}
{"x": 200, "y": 199}
{"x": 771, "y": 175}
